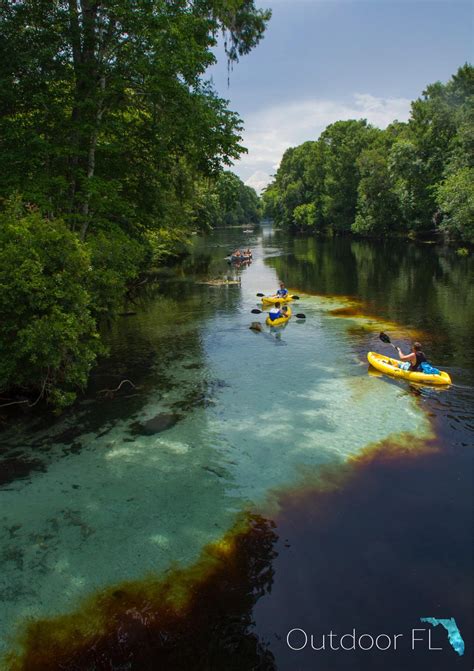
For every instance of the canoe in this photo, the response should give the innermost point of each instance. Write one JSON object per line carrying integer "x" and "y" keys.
{"x": 280, "y": 321}
{"x": 271, "y": 300}
{"x": 387, "y": 365}
{"x": 240, "y": 258}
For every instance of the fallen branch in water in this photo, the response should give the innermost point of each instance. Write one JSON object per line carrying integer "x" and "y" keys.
{"x": 30, "y": 405}
{"x": 109, "y": 392}
{"x": 4, "y": 405}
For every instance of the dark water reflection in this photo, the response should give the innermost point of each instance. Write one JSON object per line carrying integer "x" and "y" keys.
{"x": 422, "y": 286}
{"x": 387, "y": 548}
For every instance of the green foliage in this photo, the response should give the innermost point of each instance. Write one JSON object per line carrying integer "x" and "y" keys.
{"x": 270, "y": 202}
{"x": 344, "y": 141}
{"x": 455, "y": 196}
{"x": 374, "y": 182}
{"x": 305, "y": 216}
{"x": 109, "y": 129}
{"x": 101, "y": 102}
{"x": 226, "y": 201}
{"x": 116, "y": 260}
{"x": 377, "y": 204}
{"x": 167, "y": 242}
{"x": 48, "y": 337}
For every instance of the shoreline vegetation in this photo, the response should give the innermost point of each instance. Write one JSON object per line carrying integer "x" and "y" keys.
{"x": 113, "y": 148}
{"x": 114, "y": 153}
{"x": 413, "y": 179}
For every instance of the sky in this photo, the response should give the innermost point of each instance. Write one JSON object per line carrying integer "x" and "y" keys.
{"x": 325, "y": 60}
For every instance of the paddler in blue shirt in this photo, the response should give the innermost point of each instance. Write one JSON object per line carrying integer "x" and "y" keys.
{"x": 275, "y": 312}
{"x": 282, "y": 292}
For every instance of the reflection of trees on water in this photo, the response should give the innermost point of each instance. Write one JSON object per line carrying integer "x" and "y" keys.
{"x": 208, "y": 256}
{"x": 420, "y": 285}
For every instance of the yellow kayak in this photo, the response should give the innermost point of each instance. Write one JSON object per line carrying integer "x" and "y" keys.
{"x": 280, "y": 321}
{"x": 387, "y": 365}
{"x": 271, "y": 300}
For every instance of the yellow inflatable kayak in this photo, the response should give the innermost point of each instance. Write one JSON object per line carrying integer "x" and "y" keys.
{"x": 280, "y": 321}
{"x": 271, "y": 300}
{"x": 387, "y": 365}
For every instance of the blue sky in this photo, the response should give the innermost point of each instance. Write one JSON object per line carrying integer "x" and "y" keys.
{"x": 324, "y": 60}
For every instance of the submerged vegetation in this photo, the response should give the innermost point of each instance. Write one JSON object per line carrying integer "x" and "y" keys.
{"x": 113, "y": 146}
{"x": 411, "y": 178}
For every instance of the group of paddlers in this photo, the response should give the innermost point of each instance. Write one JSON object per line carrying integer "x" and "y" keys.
{"x": 244, "y": 255}
{"x": 411, "y": 361}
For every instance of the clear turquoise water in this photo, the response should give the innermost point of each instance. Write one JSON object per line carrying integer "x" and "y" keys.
{"x": 253, "y": 412}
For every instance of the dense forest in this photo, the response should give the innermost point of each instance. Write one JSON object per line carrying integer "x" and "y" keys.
{"x": 411, "y": 178}
{"x": 113, "y": 146}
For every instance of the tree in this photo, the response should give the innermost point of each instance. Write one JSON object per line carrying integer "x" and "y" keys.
{"x": 48, "y": 337}
{"x": 371, "y": 181}
{"x": 305, "y": 216}
{"x": 377, "y": 203}
{"x": 227, "y": 201}
{"x": 440, "y": 128}
{"x": 108, "y": 97}
{"x": 455, "y": 196}
{"x": 344, "y": 141}
{"x": 108, "y": 130}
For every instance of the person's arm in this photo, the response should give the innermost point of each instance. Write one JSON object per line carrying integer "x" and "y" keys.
{"x": 406, "y": 357}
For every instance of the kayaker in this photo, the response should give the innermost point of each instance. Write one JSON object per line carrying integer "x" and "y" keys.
{"x": 415, "y": 358}
{"x": 275, "y": 312}
{"x": 248, "y": 252}
{"x": 282, "y": 291}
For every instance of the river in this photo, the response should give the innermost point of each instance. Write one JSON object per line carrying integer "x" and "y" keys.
{"x": 244, "y": 484}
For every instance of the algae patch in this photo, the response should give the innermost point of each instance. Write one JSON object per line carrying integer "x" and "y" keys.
{"x": 198, "y": 618}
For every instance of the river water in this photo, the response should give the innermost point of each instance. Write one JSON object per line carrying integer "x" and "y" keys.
{"x": 242, "y": 484}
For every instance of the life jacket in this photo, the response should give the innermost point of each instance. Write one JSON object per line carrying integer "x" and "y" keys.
{"x": 282, "y": 292}
{"x": 420, "y": 358}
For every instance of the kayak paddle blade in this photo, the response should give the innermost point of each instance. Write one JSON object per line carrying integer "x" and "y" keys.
{"x": 260, "y": 295}
{"x": 300, "y": 315}
{"x": 384, "y": 338}
{"x": 255, "y": 311}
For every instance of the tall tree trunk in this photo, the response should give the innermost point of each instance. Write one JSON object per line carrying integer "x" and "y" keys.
{"x": 87, "y": 110}
{"x": 91, "y": 159}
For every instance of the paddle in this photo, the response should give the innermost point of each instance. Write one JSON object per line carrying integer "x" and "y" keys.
{"x": 384, "y": 338}
{"x": 295, "y": 298}
{"x": 256, "y": 311}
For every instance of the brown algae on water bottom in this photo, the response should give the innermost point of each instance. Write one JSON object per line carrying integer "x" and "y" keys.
{"x": 198, "y": 617}
{"x": 363, "y": 315}
{"x": 333, "y": 477}
{"x": 366, "y": 321}
{"x": 170, "y": 623}
{"x": 375, "y": 545}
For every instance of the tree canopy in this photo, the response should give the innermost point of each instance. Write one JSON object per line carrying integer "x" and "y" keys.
{"x": 411, "y": 177}
{"x": 113, "y": 145}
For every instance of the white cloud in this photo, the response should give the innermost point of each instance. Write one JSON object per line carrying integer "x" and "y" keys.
{"x": 269, "y": 132}
{"x": 258, "y": 180}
